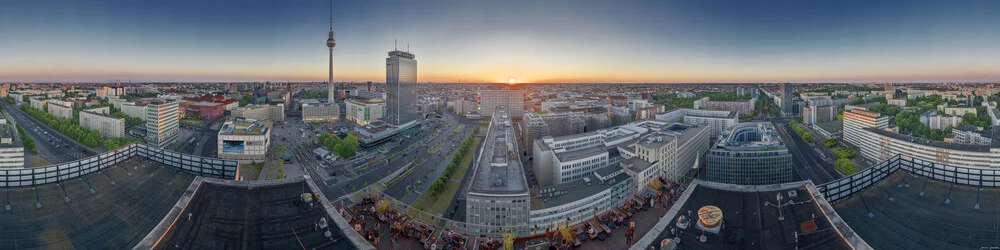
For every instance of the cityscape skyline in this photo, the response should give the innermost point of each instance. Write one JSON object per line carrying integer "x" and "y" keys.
{"x": 486, "y": 42}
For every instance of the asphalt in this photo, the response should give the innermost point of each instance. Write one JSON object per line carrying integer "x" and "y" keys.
{"x": 47, "y": 150}
{"x": 809, "y": 165}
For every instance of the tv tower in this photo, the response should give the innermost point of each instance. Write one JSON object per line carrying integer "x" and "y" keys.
{"x": 330, "y": 42}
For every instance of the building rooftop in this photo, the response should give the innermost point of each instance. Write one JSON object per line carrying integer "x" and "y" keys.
{"x": 751, "y": 136}
{"x": 832, "y": 127}
{"x": 259, "y": 216}
{"x": 635, "y": 164}
{"x": 932, "y": 143}
{"x": 245, "y": 127}
{"x": 579, "y": 189}
{"x": 580, "y": 153}
{"x": 111, "y": 210}
{"x": 366, "y": 101}
{"x": 508, "y": 178}
{"x": 750, "y": 218}
{"x": 907, "y": 211}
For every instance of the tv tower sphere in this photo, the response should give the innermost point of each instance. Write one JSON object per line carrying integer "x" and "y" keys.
{"x": 330, "y": 42}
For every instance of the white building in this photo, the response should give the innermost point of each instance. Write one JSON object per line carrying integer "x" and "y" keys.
{"x": 855, "y": 120}
{"x": 272, "y": 113}
{"x": 60, "y": 110}
{"x": 11, "y": 149}
{"x": 244, "y": 140}
{"x": 513, "y": 99}
{"x": 100, "y": 120}
{"x": 162, "y": 122}
{"x": 719, "y": 119}
{"x": 320, "y": 112}
{"x": 365, "y": 111}
{"x": 878, "y": 145}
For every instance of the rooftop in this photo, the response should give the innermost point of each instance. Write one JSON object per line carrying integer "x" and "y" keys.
{"x": 932, "y": 143}
{"x": 580, "y": 153}
{"x": 750, "y": 218}
{"x": 259, "y": 216}
{"x": 112, "y": 210}
{"x": 635, "y": 164}
{"x": 580, "y": 188}
{"x": 751, "y": 136}
{"x": 245, "y": 127}
{"x": 906, "y": 211}
{"x": 509, "y": 178}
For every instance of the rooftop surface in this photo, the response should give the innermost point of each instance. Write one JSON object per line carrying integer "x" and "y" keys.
{"x": 750, "y": 219}
{"x": 115, "y": 216}
{"x": 579, "y": 189}
{"x": 245, "y": 128}
{"x": 903, "y": 219}
{"x": 636, "y": 164}
{"x": 580, "y": 153}
{"x": 751, "y": 136}
{"x": 933, "y": 143}
{"x": 832, "y": 127}
{"x": 507, "y": 179}
{"x": 251, "y": 217}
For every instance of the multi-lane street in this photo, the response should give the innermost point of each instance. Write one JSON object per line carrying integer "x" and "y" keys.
{"x": 51, "y": 146}
{"x": 808, "y": 164}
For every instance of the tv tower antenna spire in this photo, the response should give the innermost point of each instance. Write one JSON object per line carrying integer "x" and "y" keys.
{"x": 330, "y": 43}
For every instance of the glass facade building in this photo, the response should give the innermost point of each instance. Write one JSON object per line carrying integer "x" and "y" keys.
{"x": 401, "y": 80}
{"x": 749, "y": 154}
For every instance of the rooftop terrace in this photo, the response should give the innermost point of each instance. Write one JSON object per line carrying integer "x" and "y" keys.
{"x": 506, "y": 179}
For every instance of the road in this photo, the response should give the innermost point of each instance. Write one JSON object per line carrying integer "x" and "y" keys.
{"x": 438, "y": 162}
{"x": 808, "y": 164}
{"x": 51, "y": 145}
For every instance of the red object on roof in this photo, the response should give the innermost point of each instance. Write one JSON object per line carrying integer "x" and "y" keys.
{"x": 808, "y": 226}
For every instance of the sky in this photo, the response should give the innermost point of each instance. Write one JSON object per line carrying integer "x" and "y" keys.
{"x": 552, "y": 41}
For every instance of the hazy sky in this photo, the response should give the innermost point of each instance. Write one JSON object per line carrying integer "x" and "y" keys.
{"x": 491, "y": 41}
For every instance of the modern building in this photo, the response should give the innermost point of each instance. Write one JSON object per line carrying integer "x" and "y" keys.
{"x": 719, "y": 120}
{"x": 943, "y": 121}
{"x": 566, "y": 158}
{"x": 813, "y": 114}
{"x": 100, "y": 119}
{"x": 463, "y": 106}
{"x": 498, "y": 196}
{"x": 750, "y": 154}
{"x": 11, "y": 148}
{"x": 400, "y": 80}
{"x": 162, "y": 120}
{"x": 513, "y": 99}
{"x": 972, "y": 135}
{"x": 855, "y": 120}
{"x": 879, "y": 145}
{"x": 320, "y": 112}
{"x": 787, "y": 94}
{"x": 580, "y": 200}
{"x": 273, "y": 113}
{"x": 897, "y": 102}
{"x": 245, "y": 140}
{"x": 364, "y": 111}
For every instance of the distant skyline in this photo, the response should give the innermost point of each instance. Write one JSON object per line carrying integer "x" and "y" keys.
{"x": 493, "y": 41}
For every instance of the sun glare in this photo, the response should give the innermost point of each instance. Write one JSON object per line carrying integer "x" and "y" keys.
{"x": 511, "y": 81}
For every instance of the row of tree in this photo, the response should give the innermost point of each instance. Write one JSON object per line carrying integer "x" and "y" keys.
{"x": 440, "y": 184}
{"x": 87, "y": 137}
{"x": 806, "y": 136}
{"x": 344, "y": 148}
{"x": 29, "y": 144}
{"x": 115, "y": 143}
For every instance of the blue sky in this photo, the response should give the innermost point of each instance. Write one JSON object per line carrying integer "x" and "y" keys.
{"x": 490, "y": 41}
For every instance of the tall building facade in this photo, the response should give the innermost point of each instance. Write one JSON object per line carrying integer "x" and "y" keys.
{"x": 162, "y": 122}
{"x": 100, "y": 120}
{"x": 401, "y": 80}
{"x": 787, "y": 94}
{"x": 513, "y": 99}
{"x": 857, "y": 119}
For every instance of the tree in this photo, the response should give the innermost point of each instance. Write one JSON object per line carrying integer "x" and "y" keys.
{"x": 829, "y": 143}
{"x": 845, "y": 166}
{"x": 808, "y": 137}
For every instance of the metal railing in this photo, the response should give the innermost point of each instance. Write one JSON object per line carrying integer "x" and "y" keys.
{"x": 851, "y": 185}
{"x": 204, "y": 166}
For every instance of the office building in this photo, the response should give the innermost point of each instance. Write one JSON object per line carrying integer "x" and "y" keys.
{"x": 401, "y": 79}
{"x": 897, "y": 102}
{"x": 813, "y": 114}
{"x": 162, "y": 120}
{"x": 513, "y": 99}
{"x": 718, "y": 120}
{"x": 879, "y": 145}
{"x": 749, "y": 154}
{"x": 364, "y": 111}
{"x": 204, "y": 110}
{"x": 274, "y": 113}
{"x": 11, "y": 148}
{"x": 462, "y": 106}
{"x": 100, "y": 119}
{"x": 498, "y": 196}
{"x": 320, "y": 112}
{"x": 859, "y": 118}
{"x": 787, "y": 95}
{"x": 244, "y": 140}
